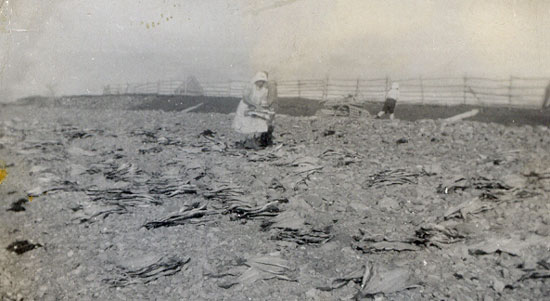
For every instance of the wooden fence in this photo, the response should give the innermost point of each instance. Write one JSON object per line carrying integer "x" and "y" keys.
{"x": 512, "y": 91}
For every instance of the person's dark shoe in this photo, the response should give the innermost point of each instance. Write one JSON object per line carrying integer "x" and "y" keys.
{"x": 266, "y": 139}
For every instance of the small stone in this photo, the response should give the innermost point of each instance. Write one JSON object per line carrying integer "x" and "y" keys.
{"x": 529, "y": 264}
{"x": 466, "y": 228}
{"x": 498, "y": 285}
{"x": 90, "y": 278}
{"x": 401, "y": 140}
{"x": 379, "y": 297}
{"x": 314, "y": 201}
{"x": 543, "y": 230}
{"x": 488, "y": 298}
{"x": 313, "y": 294}
{"x": 77, "y": 271}
{"x": 358, "y": 206}
{"x": 505, "y": 273}
{"x": 515, "y": 181}
{"x": 388, "y": 203}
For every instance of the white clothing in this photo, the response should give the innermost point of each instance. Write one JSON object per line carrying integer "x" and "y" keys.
{"x": 393, "y": 94}
{"x": 246, "y": 121}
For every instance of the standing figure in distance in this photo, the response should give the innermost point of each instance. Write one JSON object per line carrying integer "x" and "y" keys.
{"x": 391, "y": 100}
{"x": 254, "y": 116}
{"x": 546, "y": 100}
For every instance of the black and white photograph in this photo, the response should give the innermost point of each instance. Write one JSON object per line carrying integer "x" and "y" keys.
{"x": 275, "y": 150}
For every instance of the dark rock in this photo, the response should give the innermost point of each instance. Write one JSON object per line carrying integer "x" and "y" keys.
{"x": 22, "y": 246}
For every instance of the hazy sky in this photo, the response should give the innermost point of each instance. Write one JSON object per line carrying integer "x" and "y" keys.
{"x": 77, "y": 46}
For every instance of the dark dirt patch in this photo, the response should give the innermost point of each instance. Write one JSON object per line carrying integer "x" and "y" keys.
{"x": 506, "y": 116}
{"x": 298, "y": 106}
{"x": 224, "y": 105}
{"x": 308, "y": 107}
{"x": 289, "y": 106}
{"x": 22, "y": 246}
{"x": 17, "y": 206}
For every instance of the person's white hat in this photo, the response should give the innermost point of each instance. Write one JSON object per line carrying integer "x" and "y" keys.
{"x": 260, "y": 76}
{"x": 395, "y": 85}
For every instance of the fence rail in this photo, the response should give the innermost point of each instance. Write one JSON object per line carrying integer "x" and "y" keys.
{"x": 512, "y": 91}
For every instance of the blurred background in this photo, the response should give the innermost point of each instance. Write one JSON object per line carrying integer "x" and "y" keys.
{"x": 66, "y": 47}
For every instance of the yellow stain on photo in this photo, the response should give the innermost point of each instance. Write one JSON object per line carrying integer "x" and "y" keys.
{"x": 3, "y": 174}
{"x": 3, "y": 171}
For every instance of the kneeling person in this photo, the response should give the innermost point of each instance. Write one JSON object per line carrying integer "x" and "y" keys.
{"x": 254, "y": 116}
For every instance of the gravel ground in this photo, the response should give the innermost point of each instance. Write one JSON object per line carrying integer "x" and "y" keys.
{"x": 338, "y": 209}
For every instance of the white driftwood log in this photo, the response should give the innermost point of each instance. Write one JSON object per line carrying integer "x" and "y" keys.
{"x": 461, "y": 116}
{"x": 192, "y": 108}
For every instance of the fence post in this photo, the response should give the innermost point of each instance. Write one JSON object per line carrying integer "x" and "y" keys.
{"x": 158, "y": 87}
{"x": 421, "y": 89}
{"x": 357, "y": 88}
{"x": 325, "y": 90}
{"x": 464, "y": 89}
{"x": 229, "y": 89}
{"x": 510, "y": 91}
{"x": 299, "y": 89}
